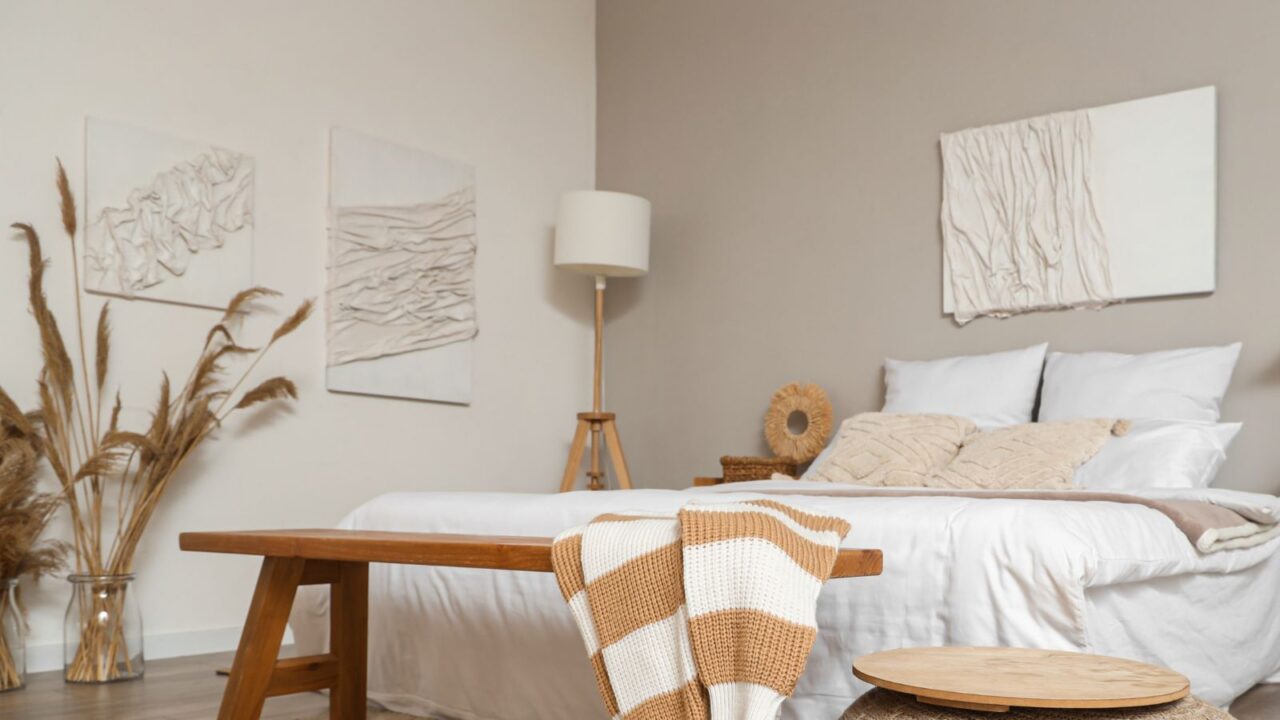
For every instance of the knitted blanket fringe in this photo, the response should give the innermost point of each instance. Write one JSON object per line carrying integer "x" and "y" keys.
{"x": 705, "y": 615}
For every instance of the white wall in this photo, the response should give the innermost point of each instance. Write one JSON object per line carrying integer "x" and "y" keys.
{"x": 506, "y": 85}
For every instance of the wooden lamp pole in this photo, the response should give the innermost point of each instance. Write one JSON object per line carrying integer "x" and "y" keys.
{"x": 597, "y": 422}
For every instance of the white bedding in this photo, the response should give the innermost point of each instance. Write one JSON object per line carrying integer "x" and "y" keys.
{"x": 1111, "y": 578}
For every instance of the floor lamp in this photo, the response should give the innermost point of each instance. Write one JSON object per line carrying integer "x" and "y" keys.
{"x": 605, "y": 234}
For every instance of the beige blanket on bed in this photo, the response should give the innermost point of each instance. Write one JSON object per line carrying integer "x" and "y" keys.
{"x": 1208, "y": 526}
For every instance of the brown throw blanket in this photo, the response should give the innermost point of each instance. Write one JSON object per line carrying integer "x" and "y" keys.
{"x": 706, "y": 614}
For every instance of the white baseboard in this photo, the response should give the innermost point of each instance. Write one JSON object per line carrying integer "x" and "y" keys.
{"x": 154, "y": 647}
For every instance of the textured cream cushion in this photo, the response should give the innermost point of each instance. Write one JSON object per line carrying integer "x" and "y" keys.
{"x": 886, "y": 449}
{"x": 1034, "y": 455}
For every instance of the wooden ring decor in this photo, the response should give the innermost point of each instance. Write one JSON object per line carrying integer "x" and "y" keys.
{"x": 810, "y": 401}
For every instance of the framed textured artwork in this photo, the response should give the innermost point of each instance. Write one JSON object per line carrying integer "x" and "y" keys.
{"x": 166, "y": 218}
{"x": 1081, "y": 209}
{"x": 400, "y": 298}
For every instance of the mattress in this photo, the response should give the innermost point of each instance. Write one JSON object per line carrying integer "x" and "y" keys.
{"x": 1104, "y": 577}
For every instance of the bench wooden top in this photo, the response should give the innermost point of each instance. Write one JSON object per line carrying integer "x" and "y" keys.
{"x": 496, "y": 552}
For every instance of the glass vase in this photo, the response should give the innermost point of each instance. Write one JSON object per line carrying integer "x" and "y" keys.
{"x": 13, "y": 638}
{"x": 102, "y": 631}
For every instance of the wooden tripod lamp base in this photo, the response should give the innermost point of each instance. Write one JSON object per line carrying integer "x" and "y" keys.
{"x": 596, "y": 423}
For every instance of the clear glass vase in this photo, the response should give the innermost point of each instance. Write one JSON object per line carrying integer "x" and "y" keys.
{"x": 102, "y": 632}
{"x": 13, "y": 638}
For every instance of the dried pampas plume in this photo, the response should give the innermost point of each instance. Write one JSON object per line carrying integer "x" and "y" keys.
{"x": 66, "y": 202}
{"x": 293, "y": 322}
{"x": 243, "y": 298}
{"x": 273, "y": 389}
{"x": 104, "y": 346}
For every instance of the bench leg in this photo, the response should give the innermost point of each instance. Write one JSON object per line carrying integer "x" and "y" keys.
{"x": 260, "y": 641}
{"x": 256, "y": 673}
{"x": 348, "y": 640}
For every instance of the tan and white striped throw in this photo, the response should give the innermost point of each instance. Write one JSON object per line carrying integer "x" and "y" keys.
{"x": 707, "y": 614}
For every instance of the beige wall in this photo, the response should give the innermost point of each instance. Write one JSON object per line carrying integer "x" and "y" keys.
{"x": 508, "y": 86}
{"x": 791, "y": 153}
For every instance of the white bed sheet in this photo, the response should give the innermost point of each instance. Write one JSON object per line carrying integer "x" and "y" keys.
{"x": 1104, "y": 577}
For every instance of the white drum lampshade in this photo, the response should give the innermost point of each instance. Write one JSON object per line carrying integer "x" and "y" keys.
{"x": 603, "y": 233}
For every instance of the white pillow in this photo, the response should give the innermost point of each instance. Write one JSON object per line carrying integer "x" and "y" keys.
{"x": 1171, "y": 385}
{"x": 991, "y": 390}
{"x": 1159, "y": 454}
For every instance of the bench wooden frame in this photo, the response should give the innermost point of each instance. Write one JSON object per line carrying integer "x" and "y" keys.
{"x": 340, "y": 559}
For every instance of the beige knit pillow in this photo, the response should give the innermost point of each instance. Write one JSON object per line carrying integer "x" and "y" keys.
{"x": 890, "y": 449}
{"x": 1035, "y": 455}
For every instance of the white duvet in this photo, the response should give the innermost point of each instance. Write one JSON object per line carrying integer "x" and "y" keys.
{"x": 1111, "y": 578}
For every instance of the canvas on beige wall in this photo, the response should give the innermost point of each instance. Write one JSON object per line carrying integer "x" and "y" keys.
{"x": 1082, "y": 208}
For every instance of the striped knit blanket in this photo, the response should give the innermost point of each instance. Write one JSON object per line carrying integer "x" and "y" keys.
{"x": 707, "y": 614}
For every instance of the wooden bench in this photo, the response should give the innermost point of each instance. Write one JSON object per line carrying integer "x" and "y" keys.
{"x": 340, "y": 559}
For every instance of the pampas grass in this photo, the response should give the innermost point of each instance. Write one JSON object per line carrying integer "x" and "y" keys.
{"x": 113, "y": 479}
{"x": 24, "y": 514}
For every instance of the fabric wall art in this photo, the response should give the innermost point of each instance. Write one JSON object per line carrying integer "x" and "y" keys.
{"x": 400, "y": 298}
{"x": 1081, "y": 209}
{"x": 166, "y": 219}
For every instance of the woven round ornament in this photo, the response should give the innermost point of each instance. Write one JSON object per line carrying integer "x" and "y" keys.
{"x": 805, "y": 407}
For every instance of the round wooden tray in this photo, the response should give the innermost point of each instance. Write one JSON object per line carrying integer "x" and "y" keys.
{"x": 995, "y": 679}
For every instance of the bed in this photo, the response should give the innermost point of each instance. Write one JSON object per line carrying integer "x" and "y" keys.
{"x": 1105, "y": 577}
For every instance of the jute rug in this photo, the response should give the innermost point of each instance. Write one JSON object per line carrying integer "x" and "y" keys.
{"x": 374, "y": 714}
{"x": 880, "y": 704}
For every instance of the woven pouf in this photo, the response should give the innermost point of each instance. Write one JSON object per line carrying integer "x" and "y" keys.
{"x": 881, "y": 704}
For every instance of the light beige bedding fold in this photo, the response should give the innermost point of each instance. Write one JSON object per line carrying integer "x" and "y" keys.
{"x": 1208, "y": 526}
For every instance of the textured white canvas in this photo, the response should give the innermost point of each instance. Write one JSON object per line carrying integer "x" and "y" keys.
{"x": 1144, "y": 175}
{"x": 400, "y": 300}
{"x": 166, "y": 218}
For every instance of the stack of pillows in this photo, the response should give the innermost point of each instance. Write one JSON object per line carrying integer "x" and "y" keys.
{"x": 1106, "y": 421}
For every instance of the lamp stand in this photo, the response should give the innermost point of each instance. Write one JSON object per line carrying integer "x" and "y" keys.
{"x": 596, "y": 423}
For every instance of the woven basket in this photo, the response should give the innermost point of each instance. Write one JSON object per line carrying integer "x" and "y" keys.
{"x": 737, "y": 469}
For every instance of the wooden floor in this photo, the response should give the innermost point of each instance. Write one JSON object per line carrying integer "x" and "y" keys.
{"x": 188, "y": 689}
{"x": 177, "y": 689}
